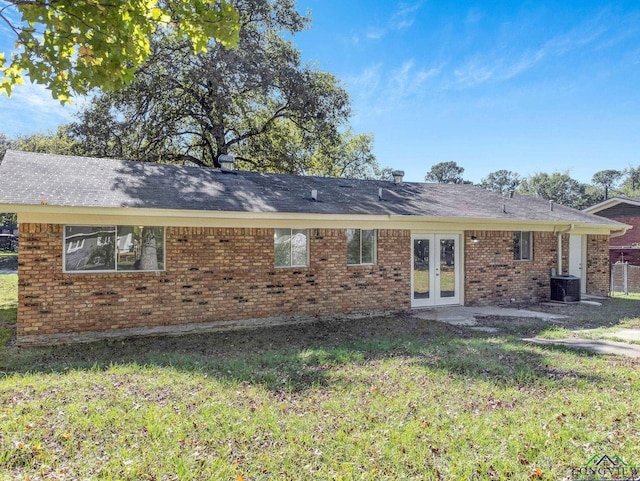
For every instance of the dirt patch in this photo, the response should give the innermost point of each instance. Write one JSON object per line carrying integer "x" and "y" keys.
{"x": 393, "y": 331}
{"x": 577, "y": 316}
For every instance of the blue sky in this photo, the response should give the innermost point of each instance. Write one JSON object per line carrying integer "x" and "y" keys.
{"x": 525, "y": 86}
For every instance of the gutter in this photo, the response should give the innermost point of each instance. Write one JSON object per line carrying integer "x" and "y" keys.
{"x": 620, "y": 232}
{"x": 559, "y": 235}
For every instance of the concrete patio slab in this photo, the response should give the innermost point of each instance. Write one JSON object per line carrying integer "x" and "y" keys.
{"x": 627, "y": 334}
{"x": 466, "y": 316}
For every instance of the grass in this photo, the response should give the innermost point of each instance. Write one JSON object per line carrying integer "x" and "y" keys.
{"x": 8, "y": 299}
{"x": 421, "y": 281}
{"x": 607, "y": 331}
{"x": 622, "y": 295}
{"x": 386, "y": 399}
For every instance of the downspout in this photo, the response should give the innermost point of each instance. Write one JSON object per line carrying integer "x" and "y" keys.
{"x": 559, "y": 235}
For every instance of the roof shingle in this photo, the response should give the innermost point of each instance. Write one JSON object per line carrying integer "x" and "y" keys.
{"x": 57, "y": 180}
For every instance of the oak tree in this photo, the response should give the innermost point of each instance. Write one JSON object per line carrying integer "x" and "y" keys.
{"x": 559, "y": 187}
{"x": 72, "y": 46}
{"x": 446, "y": 173}
{"x": 501, "y": 181}
{"x": 257, "y": 101}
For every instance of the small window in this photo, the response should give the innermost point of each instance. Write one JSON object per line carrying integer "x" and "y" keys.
{"x": 523, "y": 246}
{"x": 290, "y": 247}
{"x": 361, "y": 246}
{"x": 113, "y": 248}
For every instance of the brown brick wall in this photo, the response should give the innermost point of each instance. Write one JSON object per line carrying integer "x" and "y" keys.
{"x": 631, "y": 237}
{"x": 218, "y": 275}
{"x": 492, "y": 276}
{"x": 212, "y": 274}
{"x": 598, "y": 265}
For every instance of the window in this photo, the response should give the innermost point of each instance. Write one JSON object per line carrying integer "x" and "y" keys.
{"x": 113, "y": 248}
{"x": 361, "y": 246}
{"x": 523, "y": 246}
{"x": 290, "y": 247}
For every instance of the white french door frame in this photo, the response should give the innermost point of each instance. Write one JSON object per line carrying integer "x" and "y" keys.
{"x": 578, "y": 259}
{"x": 436, "y": 297}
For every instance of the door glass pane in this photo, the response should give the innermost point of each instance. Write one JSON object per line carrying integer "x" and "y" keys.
{"x": 421, "y": 269}
{"x": 447, "y": 268}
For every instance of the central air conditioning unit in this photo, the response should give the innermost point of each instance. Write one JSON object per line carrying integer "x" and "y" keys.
{"x": 565, "y": 288}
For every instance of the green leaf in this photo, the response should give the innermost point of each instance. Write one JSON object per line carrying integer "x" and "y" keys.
{"x": 69, "y": 46}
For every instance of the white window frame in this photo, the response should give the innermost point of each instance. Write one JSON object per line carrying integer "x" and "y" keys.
{"x": 521, "y": 234}
{"x": 290, "y": 265}
{"x": 109, "y": 271}
{"x": 375, "y": 249}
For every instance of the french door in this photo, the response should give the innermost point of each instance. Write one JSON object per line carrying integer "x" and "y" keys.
{"x": 435, "y": 278}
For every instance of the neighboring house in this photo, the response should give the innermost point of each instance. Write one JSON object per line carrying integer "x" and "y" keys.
{"x": 624, "y": 248}
{"x": 117, "y": 248}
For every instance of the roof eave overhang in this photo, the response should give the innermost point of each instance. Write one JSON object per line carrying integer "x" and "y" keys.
{"x": 606, "y": 204}
{"x": 31, "y": 213}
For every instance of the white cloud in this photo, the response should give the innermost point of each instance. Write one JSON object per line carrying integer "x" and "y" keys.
{"x": 402, "y": 19}
{"x": 375, "y": 34}
{"x": 32, "y": 109}
{"x": 405, "y": 16}
{"x": 377, "y": 90}
{"x": 473, "y": 16}
{"x": 501, "y": 65}
{"x": 406, "y": 81}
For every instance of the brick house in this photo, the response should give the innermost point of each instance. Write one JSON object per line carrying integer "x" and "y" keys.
{"x": 118, "y": 248}
{"x": 624, "y": 248}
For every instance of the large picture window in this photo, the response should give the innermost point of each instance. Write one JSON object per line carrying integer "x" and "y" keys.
{"x": 290, "y": 247}
{"x": 523, "y": 246}
{"x": 113, "y": 248}
{"x": 361, "y": 246}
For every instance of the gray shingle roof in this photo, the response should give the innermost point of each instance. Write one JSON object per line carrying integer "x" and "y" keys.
{"x": 28, "y": 178}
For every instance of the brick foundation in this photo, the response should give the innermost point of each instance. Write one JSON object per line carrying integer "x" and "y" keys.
{"x": 212, "y": 275}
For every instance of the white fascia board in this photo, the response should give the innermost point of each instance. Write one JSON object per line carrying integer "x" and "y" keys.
{"x": 183, "y": 218}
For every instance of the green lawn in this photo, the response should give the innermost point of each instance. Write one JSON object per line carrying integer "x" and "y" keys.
{"x": 631, "y": 295}
{"x": 381, "y": 399}
{"x": 8, "y": 298}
